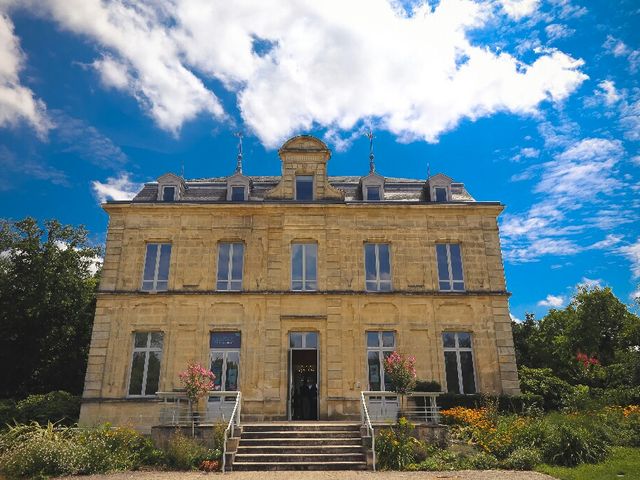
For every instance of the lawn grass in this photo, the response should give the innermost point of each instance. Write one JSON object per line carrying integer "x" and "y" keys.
{"x": 624, "y": 463}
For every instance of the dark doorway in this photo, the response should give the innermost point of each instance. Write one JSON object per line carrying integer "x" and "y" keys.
{"x": 304, "y": 385}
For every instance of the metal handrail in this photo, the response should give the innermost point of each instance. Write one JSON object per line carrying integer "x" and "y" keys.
{"x": 388, "y": 409}
{"x": 367, "y": 423}
{"x": 231, "y": 428}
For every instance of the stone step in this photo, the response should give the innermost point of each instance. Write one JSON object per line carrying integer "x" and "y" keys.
{"x": 299, "y": 434}
{"x": 248, "y": 442}
{"x": 287, "y": 449}
{"x": 316, "y": 427}
{"x": 258, "y": 466}
{"x": 299, "y": 457}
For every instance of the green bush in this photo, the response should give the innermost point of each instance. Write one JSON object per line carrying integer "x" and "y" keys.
{"x": 505, "y": 403}
{"x": 395, "y": 446}
{"x": 7, "y": 412}
{"x": 36, "y": 451}
{"x": 556, "y": 393}
{"x": 522, "y": 459}
{"x": 184, "y": 453}
{"x": 439, "y": 460}
{"x": 56, "y": 407}
{"x": 427, "y": 386}
{"x": 482, "y": 461}
{"x": 569, "y": 444}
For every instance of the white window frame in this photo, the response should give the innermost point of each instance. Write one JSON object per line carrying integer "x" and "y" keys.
{"x": 154, "y": 287}
{"x": 147, "y": 350}
{"x": 304, "y": 279}
{"x": 295, "y": 187}
{"x": 381, "y": 350}
{"x": 228, "y": 280}
{"x": 378, "y": 280}
{"x": 457, "y": 349}
{"x": 225, "y": 353}
{"x": 450, "y": 280}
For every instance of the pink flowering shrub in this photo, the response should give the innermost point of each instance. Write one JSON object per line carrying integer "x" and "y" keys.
{"x": 402, "y": 371}
{"x": 586, "y": 360}
{"x": 197, "y": 380}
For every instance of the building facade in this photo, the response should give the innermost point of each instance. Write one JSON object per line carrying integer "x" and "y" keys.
{"x": 294, "y": 289}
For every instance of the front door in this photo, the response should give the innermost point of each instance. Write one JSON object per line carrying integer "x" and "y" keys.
{"x": 303, "y": 376}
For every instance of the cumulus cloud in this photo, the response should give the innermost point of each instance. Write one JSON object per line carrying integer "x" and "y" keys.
{"x": 608, "y": 92}
{"x": 632, "y": 252}
{"x": 617, "y": 48}
{"x": 116, "y": 188}
{"x": 302, "y": 64}
{"x": 552, "y": 301}
{"x": 17, "y": 102}
{"x": 590, "y": 282}
{"x": 557, "y": 31}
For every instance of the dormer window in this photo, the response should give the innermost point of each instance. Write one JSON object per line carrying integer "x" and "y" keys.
{"x": 304, "y": 187}
{"x": 441, "y": 194}
{"x": 372, "y": 193}
{"x": 237, "y": 193}
{"x": 168, "y": 193}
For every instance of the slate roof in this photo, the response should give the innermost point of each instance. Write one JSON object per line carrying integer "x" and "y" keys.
{"x": 215, "y": 189}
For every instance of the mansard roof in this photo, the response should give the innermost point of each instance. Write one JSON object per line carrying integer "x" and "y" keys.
{"x": 215, "y": 190}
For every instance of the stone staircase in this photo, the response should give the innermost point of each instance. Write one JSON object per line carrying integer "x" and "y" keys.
{"x": 300, "y": 446}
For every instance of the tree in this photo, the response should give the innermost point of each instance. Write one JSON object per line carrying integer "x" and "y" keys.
{"x": 595, "y": 323}
{"x": 47, "y": 303}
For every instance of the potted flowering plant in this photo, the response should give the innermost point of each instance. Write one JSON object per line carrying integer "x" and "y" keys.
{"x": 197, "y": 381}
{"x": 401, "y": 369}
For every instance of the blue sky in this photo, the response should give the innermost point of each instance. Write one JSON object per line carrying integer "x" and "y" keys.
{"x": 535, "y": 103}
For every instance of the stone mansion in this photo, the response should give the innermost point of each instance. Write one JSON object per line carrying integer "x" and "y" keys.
{"x": 300, "y": 280}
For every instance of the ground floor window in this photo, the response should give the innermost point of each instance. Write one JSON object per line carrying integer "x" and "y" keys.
{"x": 458, "y": 361}
{"x": 225, "y": 360}
{"x": 379, "y": 346}
{"x": 145, "y": 364}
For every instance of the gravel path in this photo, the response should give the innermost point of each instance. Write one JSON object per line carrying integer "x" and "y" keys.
{"x": 358, "y": 475}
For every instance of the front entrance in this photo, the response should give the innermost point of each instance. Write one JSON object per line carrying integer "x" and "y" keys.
{"x": 303, "y": 376}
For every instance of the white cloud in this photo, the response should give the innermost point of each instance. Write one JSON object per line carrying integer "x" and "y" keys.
{"x": 557, "y": 31}
{"x": 552, "y": 301}
{"x": 590, "y": 282}
{"x": 608, "y": 92}
{"x": 636, "y": 160}
{"x": 518, "y": 9}
{"x": 630, "y": 118}
{"x": 334, "y": 64}
{"x": 635, "y": 295}
{"x": 632, "y": 252}
{"x": 17, "y": 102}
{"x": 575, "y": 179}
{"x": 514, "y": 318}
{"x": 116, "y": 188}
{"x": 618, "y": 48}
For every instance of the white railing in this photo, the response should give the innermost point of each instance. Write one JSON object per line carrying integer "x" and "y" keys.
{"x": 234, "y": 422}
{"x": 175, "y": 408}
{"x": 420, "y": 407}
{"x": 366, "y": 421}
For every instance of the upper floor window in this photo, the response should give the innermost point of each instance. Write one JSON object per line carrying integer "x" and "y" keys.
{"x": 441, "y": 194}
{"x": 237, "y": 193}
{"x": 230, "y": 259}
{"x": 304, "y": 261}
{"x": 373, "y": 193}
{"x": 449, "y": 267}
{"x": 145, "y": 363}
{"x": 304, "y": 187}
{"x": 458, "y": 361}
{"x": 168, "y": 193}
{"x": 155, "y": 277}
{"x": 379, "y": 346}
{"x": 377, "y": 267}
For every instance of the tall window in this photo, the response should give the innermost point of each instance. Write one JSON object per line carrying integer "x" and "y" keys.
{"x": 441, "y": 194}
{"x": 379, "y": 346}
{"x": 155, "y": 277}
{"x": 449, "y": 267}
{"x": 225, "y": 360}
{"x": 145, "y": 364}
{"x": 304, "y": 187}
{"x": 230, "y": 266}
{"x": 168, "y": 194}
{"x": 377, "y": 267}
{"x": 458, "y": 361}
{"x": 237, "y": 193}
{"x": 304, "y": 261}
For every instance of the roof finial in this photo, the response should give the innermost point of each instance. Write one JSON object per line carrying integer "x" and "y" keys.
{"x": 372, "y": 165}
{"x": 239, "y": 161}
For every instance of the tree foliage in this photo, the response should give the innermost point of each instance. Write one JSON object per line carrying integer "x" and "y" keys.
{"x": 595, "y": 323}
{"x": 47, "y": 304}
